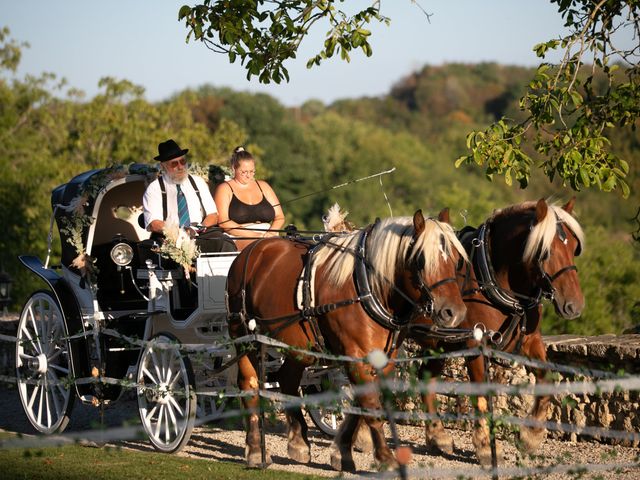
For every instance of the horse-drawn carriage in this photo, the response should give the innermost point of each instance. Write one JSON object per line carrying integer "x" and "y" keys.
{"x": 119, "y": 314}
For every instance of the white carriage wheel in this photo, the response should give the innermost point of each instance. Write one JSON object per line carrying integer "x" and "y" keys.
{"x": 166, "y": 399}
{"x": 329, "y": 418}
{"x": 211, "y": 406}
{"x": 42, "y": 364}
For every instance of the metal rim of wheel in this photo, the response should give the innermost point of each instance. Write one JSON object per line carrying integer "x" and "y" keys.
{"x": 166, "y": 399}
{"x": 42, "y": 364}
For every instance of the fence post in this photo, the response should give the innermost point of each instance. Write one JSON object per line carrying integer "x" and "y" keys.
{"x": 262, "y": 374}
{"x": 490, "y": 420}
{"x": 378, "y": 360}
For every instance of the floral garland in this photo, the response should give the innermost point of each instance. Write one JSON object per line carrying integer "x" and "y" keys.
{"x": 75, "y": 224}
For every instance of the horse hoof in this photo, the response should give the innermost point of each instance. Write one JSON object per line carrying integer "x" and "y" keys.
{"x": 254, "y": 460}
{"x": 441, "y": 443}
{"x": 299, "y": 454}
{"x": 363, "y": 442}
{"x": 341, "y": 463}
{"x": 484, "y": 455}
{"x": 388, "y": 465}
{"x": 530, "y": 439}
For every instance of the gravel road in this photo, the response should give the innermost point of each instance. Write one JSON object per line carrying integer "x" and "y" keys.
{"x": 226, "y": 442}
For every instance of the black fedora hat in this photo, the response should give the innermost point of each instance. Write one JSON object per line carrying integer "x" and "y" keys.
{"x": 169, "y": 150}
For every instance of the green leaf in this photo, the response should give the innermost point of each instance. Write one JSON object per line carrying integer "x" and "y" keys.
{"x": 461, "y": 160}
{"x": 624, "y": 166}
{"x": 625, "y": 188}
{"x": 584, "y": 176}
{"x": 507, "y": 177}
{"x": 184, "y": 11}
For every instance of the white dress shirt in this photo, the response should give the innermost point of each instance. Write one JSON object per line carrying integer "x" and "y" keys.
{"x": 152, "y": 201}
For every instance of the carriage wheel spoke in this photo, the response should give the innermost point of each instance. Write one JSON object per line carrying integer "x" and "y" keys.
{"x": 167, "y": 429}
{"x": 56, "y": 388}
{"x": 150, "y": 413}
{"x": 39, "y": 326}
{"x": 54, "y": 355}
{"x": 172, "y": 381}
{"x": 156, "y": 365}
{"x": 40, "y": 403}
{"x": 47, "y": 403}
{"x": 148, "y": 374}
{"x": 35, "y": 342}
{"x": 174, "y": 420}
{"x": 177, "y": 406}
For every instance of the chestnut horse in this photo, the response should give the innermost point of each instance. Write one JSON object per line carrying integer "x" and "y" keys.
{"x": 368, "y": 286}
{"x": 519, "y": 255}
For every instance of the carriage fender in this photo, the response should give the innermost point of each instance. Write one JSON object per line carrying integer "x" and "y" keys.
{"x": 72, "y": 314}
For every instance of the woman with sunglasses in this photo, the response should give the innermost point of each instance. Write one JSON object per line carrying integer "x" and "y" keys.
{"x": 248, "y": 208}
{"x": 176, "y": 197}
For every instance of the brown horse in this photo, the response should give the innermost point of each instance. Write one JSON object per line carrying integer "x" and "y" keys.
{"x": 519, "y": 255}
{"x": 368, "y": 286}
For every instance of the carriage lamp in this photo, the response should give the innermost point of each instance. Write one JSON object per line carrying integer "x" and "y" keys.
{"x": 122, "y": 254}
{"x": 5, "y": 291}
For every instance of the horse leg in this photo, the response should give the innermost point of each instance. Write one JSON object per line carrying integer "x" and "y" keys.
{"x": 289, "y": 377}
{"x": 382, "y": 453}
{"x": 340, "y": 449}
{"x": 363, "y": 441}
{"x": 532, "y": 437}
{"x": 248, "y": 381}
{"x": 437, "y": 438}
{"x": 481, "y": 434}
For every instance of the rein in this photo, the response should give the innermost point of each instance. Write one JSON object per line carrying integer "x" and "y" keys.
{"x": 515, "y": 303}
{"x": 372, "y": 305}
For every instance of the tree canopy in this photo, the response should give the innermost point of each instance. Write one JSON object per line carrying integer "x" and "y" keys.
{"x": 568, "y": 110}
{"x": 50, "y": 133}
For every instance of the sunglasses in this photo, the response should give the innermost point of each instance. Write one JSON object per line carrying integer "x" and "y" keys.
{"x": 178, "y": 161}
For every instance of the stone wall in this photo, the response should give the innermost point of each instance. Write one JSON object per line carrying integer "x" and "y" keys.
{"x": 613, "y": 411}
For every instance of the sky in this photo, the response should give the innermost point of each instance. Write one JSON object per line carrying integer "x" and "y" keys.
{"x": 143, "y": 41}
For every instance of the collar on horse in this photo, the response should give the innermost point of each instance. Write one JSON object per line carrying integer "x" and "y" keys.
{"x": 500, "y": 297}
{"x": 424, "y": 306}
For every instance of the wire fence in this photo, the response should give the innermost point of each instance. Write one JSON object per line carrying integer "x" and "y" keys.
{"x": 589, "y": 381}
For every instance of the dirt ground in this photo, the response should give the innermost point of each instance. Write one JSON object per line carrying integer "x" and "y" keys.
{"x": 225, "y": 441}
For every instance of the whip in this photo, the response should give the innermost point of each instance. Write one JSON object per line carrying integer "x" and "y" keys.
{"x": 350, "y": 182}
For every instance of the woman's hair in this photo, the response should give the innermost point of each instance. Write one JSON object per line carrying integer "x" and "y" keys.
{"x": 239, "y": 154}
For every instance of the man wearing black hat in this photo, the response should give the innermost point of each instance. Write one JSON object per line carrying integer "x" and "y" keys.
{"x": 176, "y": 197}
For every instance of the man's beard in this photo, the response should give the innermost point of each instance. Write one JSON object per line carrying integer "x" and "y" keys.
{"x": 177, "y": 176}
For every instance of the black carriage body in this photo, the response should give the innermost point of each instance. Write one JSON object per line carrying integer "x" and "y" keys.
{"x": 95, "y": 194}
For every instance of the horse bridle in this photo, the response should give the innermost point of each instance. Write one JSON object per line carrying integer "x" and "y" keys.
{"x": 421, "y": 307}
{"x": 426, "y": 302}
{"x": 548, "y": 290}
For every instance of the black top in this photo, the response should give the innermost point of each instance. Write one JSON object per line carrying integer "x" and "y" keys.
{"x": 241, "y": 212}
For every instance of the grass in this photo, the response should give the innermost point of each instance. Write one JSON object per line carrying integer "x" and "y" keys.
{"x": 78, "y": 462}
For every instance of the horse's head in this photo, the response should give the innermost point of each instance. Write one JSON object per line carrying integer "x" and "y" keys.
{"x": 432, "y": 257}
{"x": 555, "y": 239}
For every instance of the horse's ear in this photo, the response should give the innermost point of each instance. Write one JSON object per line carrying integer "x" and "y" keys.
{"x": 418, "y": 222}
{"x": 568, "y": 207}
{"x": 541, "y": 210}
{"x": 443, "y": 216}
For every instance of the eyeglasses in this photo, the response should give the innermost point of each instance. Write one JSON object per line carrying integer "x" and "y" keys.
{"x": 247, "y": 172}
{"x": 178, "y": 161}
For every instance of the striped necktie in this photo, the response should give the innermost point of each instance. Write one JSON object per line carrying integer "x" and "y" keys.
{"x": 183, "y": 210}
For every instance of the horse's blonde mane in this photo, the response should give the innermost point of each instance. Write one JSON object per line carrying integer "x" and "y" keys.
{"x": 389, "y": 242}
{"x": 542, "y": 235}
